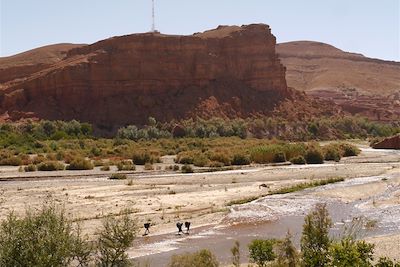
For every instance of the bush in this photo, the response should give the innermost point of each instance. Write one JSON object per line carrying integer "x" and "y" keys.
{"x": 115, "y": 237}
{"x": 314, "y": 156}
{"x": 148, "y": 166}
{"x": 332, "y": 152}
{"x": 80, "y": 164}
{"x": 202, "y": 258}
{"x": 45, "y": 238}
{"x": 266, "y": 154}
{"x": 30, "y": 168}
{"x": 50, "y": 166}
{"x": 105, "y": 168}
{"x": 300, "y": 160}
{"x": 279, "y": 157}
{"x": 240, "y": 159}
{"x": 125, "y": 165}
{"x": 224, "y": 158}
{"x": 200, "y": 160}
{"x": 143, "y": 158}
{"x": 349, "y": 150}
{"x": 11, "y": 161}
{"x": 117, "y": 176}
{"x": 261, "y": 251}
{"x": 187, "y": 169}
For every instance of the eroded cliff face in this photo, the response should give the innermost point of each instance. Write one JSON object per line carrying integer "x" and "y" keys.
{"x": 228, "y": 72}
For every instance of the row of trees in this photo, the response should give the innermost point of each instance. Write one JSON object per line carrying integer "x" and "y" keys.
{"x": 262, "y": 127}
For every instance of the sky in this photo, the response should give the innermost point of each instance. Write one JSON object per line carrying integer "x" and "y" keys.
{"x": 369, "y": 27}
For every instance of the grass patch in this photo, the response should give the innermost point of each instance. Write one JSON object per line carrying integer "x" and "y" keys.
{"x": 289, "y": 189}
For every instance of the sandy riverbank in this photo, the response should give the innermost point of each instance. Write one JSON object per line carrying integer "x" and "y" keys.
{"x": 165, "y": 198}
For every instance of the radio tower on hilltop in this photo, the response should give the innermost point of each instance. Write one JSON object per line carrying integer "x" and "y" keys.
{"x": 153, "y": 25}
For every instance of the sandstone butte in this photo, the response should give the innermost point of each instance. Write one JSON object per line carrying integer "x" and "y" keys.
{"x": 389, "y": 143}
{"x": 230, "y": 71}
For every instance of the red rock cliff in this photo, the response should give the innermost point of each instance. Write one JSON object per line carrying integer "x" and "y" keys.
{"x": 230, "y": 71}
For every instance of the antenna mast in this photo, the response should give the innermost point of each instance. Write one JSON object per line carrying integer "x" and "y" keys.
{"x": 153, "y": 26}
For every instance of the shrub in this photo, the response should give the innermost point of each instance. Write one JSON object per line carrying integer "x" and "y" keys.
{"x": 187, "y": 168}
{"x": 240, "y": 159}
{"x": 30, "y": 168}
{"x": 200, "y": 160}
{"x": 332, "y": 152}
{"x": 50, "y": 166}
{"x": 117, "y": 176}
{"x": 176, "y": 168}
{"x": 115, "y": 237}
{"x": 125, "y": 165}
{"x": 148, "y": 166}
{"x": 202, "y": 258}
{"x": 80, "y": 164}
{"x": 38, "y": 159}
{"x": 348, "y": 252}
{"x": 11, "y": 161}
{"x": 279, "y": 157}
{"x": 300, "y": 160}
{"x": 185, "y": 158}
{"x": 224, "y": 158}
{"x": 105, "y": 168}
{"x": 314, "y": 156}
{"x": 265, "y": 154}
{"x": 44, "y": 238}
{"x": 261, "y": 251}
{"x": 349, "y": 150}
{"x": 143, "y": 158}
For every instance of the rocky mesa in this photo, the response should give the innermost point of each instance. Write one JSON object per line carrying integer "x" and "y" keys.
{"x": 230, "y": 71}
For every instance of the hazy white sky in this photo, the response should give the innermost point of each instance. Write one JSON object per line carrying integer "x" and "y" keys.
{"x": 370, "y": 27}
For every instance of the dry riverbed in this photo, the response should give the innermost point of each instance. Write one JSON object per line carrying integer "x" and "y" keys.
{"x": 164, "y": 198}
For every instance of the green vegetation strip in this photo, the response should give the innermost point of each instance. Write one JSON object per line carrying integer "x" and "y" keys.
{"x": 289, "y": 189}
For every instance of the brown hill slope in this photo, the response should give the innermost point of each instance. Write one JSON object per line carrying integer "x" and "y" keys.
{"x": 26, "y": 63}
{"x": 361, "y": 85}
{"x": 229, "y": 72}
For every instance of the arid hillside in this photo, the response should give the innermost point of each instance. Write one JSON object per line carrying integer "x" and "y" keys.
{"x": 360, "y": 85}
{"x": 24, "y": 64}
{"x": 230, "y": 71}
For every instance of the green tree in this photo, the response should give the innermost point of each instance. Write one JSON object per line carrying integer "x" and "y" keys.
{"x": 315, "y": 241}
{"x": 262, "y": 251}
{"x": 115, "y": 238}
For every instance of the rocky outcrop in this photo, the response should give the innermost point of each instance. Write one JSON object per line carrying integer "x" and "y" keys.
{"x": 227, "y": 72}
{"x": 389, "y": 143}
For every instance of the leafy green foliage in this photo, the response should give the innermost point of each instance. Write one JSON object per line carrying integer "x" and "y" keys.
{"x": 315, "y": 241}
{"x": 50, "y": 166}
{"x": 299, "y": 160}
{"x": 348, "y": 252}
{"x": 45, "y": 238}
{"x": 314, "y": 156}
{"x": 115, "y": 237}
{"x": 80, "y": 164}
{"x": 202, "y": 258}
{"x": 262, "y": 251}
